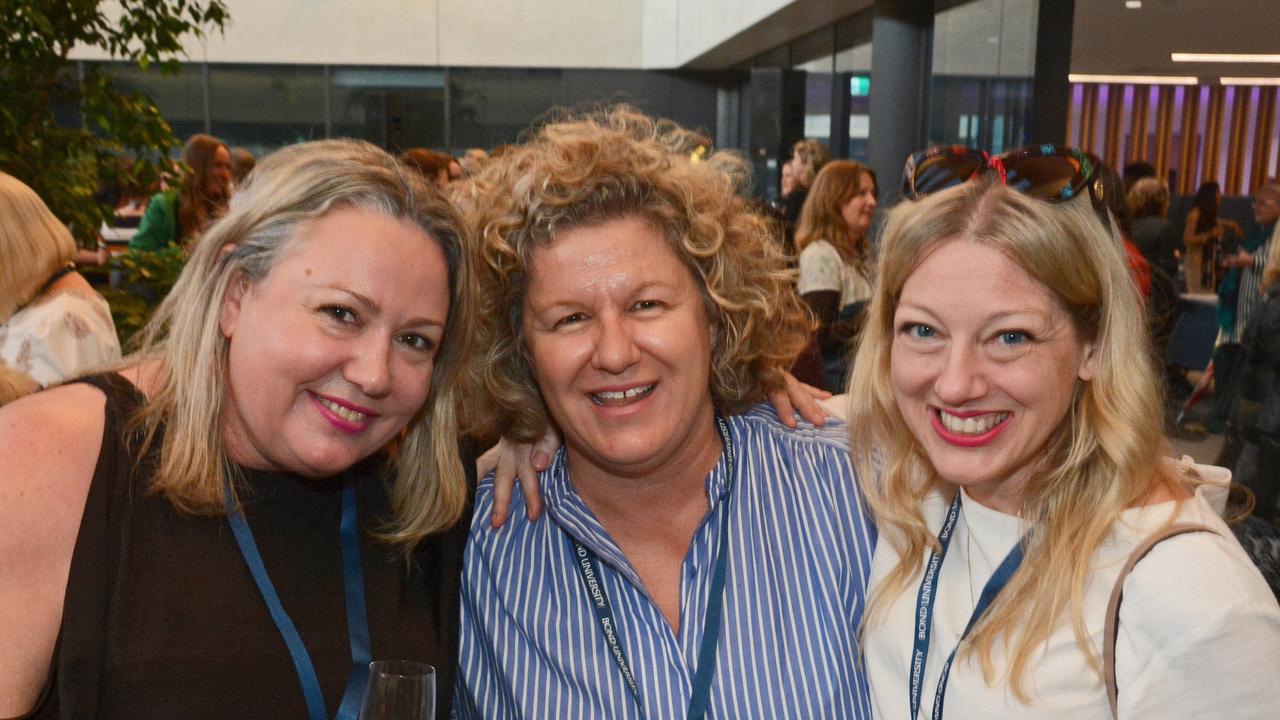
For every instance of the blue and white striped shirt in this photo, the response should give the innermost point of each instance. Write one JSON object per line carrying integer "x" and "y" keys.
{"x": 800, "y": 545}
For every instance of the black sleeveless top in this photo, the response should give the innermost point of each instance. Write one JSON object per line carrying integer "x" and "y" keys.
{"x": 162, "y": 618}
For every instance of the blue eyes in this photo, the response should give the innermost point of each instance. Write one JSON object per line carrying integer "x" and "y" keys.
{"x": 921, "y": 332}
{"x": 1014, "y": 337}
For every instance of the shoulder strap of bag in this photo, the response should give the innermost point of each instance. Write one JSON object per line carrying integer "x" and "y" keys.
{"x": 1113, "y": 606}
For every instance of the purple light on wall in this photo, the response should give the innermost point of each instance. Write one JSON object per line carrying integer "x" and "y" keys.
{"x": 1247, "y": 181}
{"x": 1224, "y": 132}
{"x": 1077, "y": 111}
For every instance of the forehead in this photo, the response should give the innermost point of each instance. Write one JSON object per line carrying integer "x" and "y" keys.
{"x": 612, "y": 254}
{"x": 967, "y": 278}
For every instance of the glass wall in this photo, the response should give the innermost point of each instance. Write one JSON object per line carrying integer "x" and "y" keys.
{"x": 983, "y": 64}
{"x": 262, "y": 107}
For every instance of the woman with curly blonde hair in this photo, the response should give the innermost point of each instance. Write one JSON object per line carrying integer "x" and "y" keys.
{"x": 630, "y": 298}
{"x": 1006, "y": 418}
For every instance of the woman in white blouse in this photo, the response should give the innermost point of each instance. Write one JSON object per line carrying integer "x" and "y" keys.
{"x": 1004, "y": 397}
{"x": 53, "y": 324}
{"x": 835, "y": 257}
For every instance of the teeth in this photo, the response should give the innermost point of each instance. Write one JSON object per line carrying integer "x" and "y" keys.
{"x": 342, "y": 412}
{"x": 622, "y": 395}
{"x": 972, "y": 425}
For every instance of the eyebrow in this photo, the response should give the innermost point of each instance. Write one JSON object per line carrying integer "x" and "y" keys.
{"x": 373, "y": 306}
{"x": 986, "y": 322}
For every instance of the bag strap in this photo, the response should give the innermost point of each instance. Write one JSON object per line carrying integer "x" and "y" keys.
{"x": 1113, "y": 606}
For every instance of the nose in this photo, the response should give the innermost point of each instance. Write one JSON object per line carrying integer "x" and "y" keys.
{"x": 369, "y": 367}
{"x": 615, "y": 347}
{"x": 961, "y": 378}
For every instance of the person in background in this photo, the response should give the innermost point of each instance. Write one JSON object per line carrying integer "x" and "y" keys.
{"x": 629, "y": 296}
{"x": 181, "y": 215}
{"x": 1135, "y": 171}
{"x": 263, "y": 499}
{"x": 472, "y": 160}
{"x": 1239, "y": 296}
{"x": 242, "y": 161}
{"x": 1200, "y": 237}
{"x": 1257, "y": 418}
{"x": 1157, "y": 240}
{"x": 1006, "y": 424}
{"x": 807, "y": 158}
{"x": 836, "y": 259}
{"x": 434, "y": 166}
{"x": 53, "y": 324}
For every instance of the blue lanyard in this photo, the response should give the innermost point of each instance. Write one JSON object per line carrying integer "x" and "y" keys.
{"x": 924, "y": 611}
{"x": 589, "y": 569}
{"x": 357, "y": 617}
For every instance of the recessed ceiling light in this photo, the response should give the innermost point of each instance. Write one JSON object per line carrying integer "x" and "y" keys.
{"x": 1133, "y": 4}
{"x": 1134, "y": 79}
{"x": 1225, "y": 57}
{"x": 1249, "y": 80}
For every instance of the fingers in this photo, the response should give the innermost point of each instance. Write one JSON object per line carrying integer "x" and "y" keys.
{"x": 782, "y": 404}
{"x": 539, "y": 459}
{"x": 499, "y": 460}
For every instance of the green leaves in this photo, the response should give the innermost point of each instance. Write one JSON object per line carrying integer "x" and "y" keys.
{"x": 61, "y": 135}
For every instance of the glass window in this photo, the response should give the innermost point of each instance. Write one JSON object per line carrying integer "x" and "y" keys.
{"x": 489, "y": 107}
{"x": 396, "y": 108}
{"x": 264, "y": 107}
{"x": 179, "y": 97}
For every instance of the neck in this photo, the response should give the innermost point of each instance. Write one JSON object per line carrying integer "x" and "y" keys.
{"x": 1003, "y": 497}
{"x": 622, "y": 497}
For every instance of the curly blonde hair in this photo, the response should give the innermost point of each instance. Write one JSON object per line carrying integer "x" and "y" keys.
{"x": 1102, "y": 458}
{"x": 614, "y": 164}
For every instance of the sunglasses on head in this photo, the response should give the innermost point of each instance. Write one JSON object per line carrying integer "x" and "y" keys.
{"x": 1048, "y": 172}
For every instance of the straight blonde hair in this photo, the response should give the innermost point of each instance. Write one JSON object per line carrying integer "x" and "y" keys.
{"x": 33, "y": 245}
{"x": 283, "y": 195}
{"x": 1103, "y": 457}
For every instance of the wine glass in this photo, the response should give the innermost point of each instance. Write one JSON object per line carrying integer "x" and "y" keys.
{"x": 399, "y": 690}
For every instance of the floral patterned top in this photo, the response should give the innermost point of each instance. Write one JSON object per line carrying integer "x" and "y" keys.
{"x": 60, "y": 335}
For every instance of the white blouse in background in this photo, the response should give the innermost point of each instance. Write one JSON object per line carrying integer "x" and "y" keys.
{"x": 61, "y": 335}
{"x": 1199, "y": 633}
{"x": 822, "y": 269}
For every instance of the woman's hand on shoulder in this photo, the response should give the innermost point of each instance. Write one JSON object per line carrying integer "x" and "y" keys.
{"x": 797, "y": 398}
{"x": 49, "y": 445}
{"x": 512, "y": 462}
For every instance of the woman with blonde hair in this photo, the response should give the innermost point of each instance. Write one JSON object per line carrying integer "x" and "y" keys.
{"x": 1006, "y": 420}
{"x": 53, "y": 324}
{"x": 836, "y": 260}
{"x": 259, "y": 502}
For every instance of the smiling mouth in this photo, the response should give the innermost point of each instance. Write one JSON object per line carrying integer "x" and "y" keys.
{"x": 615, "y": 398}
{"x": 345, "y": 413}
{"x": 970, "y": 426}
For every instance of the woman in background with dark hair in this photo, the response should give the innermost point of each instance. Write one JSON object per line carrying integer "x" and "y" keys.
{"x": 1200, "y": 237}
{"x": 181, "y": 215}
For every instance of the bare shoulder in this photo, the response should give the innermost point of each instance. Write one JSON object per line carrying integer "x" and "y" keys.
{"x": 49, "y": 444}
{"x": 52, "y": 433}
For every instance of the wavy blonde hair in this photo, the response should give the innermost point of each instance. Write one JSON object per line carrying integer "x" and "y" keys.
{"x": 1103, "y": 457}
{"x": 286, "y": 192}
{"x": 609, "y": 165}
{"x": 33, "y": 245}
